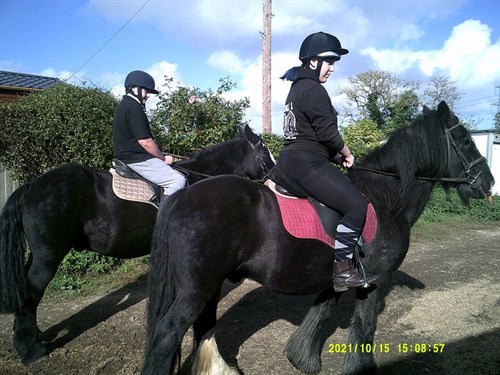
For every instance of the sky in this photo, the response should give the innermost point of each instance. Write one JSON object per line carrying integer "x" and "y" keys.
{"x": 199, "y": 42}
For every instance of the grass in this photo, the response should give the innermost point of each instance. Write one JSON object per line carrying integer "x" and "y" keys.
{"x": 65, "y": 286}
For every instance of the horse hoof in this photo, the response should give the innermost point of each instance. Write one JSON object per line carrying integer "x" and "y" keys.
{"x": 34, "y": 360}
{"x": 306, "y": 365}
{"x": 36, "y": 353}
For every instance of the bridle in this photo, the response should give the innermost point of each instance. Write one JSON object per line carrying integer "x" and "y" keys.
{"x": 257, "y": 156}
{"x": 472, "y": 180}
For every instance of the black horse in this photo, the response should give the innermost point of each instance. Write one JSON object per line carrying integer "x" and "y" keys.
{"x": 74, "y": 206}
{"x": 231, "y": 228}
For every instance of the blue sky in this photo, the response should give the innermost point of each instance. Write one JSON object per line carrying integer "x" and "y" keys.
{"x": 197, "y": 42}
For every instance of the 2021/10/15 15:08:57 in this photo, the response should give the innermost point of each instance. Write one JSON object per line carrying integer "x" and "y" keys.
{"x": 386, "y": 348}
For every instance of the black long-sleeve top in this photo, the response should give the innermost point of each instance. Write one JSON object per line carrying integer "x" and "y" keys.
{"x": 310, "y": 122}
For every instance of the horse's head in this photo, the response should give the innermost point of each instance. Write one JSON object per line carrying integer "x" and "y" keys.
{"x": 466, "y": 167}
{"x": 260, "y": 159}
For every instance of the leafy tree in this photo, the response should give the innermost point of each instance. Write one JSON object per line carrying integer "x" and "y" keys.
{"x": 62, "y": 124}
{"x": 187, "y": 118}
{"x": 362, "y": 137}
{"x": 374, "y": 112}
{"x": 372, "y": 94}
{"x": 403, "y": 111}
{"x": 441, "y": 88}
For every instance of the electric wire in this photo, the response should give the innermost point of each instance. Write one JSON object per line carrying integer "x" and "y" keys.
{"x": 109, "y": 41}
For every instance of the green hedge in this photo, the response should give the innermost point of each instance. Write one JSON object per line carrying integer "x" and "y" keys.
{"x": 443, "y": 207}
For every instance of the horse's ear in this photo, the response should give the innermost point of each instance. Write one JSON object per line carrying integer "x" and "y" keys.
{"x": 247, "y": 130}
{"x": 444, "y": 114}
{"x": 250, "y": 135}
{"x": 443, "y": 108}
{"x": 426, "y": 110}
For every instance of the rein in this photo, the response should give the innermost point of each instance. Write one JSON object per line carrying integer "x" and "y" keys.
{"x": 189, "y": 171}
{"x": 471, "y": 180}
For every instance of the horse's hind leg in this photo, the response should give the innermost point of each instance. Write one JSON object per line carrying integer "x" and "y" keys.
{"x": 362, "y": 330}
{"x": 208, "y": 360}
{"x": 27, "y": 337}
{"x": 305, "y": 345}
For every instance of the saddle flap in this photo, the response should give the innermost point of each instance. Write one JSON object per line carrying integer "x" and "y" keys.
{"x": 129, "y": 185}
{"x": 308, "y": 218}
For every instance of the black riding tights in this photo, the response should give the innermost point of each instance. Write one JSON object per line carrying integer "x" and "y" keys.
{"x": 325, "y": 182}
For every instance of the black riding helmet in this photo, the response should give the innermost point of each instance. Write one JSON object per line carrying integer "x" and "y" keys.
{"x": 320, "y": 45}
{"x": 142, "y": 80}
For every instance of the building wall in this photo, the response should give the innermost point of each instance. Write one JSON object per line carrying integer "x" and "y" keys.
{"x": 488, "y": 143}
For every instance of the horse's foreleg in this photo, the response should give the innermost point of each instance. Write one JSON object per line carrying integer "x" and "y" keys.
{"x": 304, "y": 346}
{"x": 362, "y": 330}
{"x": 207, "y": 360}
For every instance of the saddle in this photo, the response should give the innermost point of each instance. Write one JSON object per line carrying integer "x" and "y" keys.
{"x": 129, "y": 185}
{"x": 306, "y": 217}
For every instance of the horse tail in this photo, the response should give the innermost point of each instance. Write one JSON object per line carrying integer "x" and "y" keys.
{"x": 13, "y": 276}
{"x": 161, "y": 283}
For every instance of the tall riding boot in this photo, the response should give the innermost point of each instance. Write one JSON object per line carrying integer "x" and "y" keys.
{"x": 345, "y": 275}
{"x": 348, "y": 244}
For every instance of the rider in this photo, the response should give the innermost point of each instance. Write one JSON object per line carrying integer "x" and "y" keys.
{"x": 133, "y": 141}
{"x": 312, "y": 140}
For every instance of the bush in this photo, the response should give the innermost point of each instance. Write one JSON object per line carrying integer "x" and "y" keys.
{"x": 188, "y": 119}
{"x": 59, "y": 125}
{"x": 75, "y": 269}
{"x": 444, "y": 207}
{"x": 362, "y": 137}
{"x": 273, "y": 143}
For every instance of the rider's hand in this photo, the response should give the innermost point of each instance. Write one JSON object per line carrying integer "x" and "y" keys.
{"x": 348, "y": 161}
{"x": 169, "y": 159}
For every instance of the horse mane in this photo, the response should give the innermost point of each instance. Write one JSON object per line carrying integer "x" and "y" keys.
{"x": 416, "y": 150}
{"x": 228, "y": 155}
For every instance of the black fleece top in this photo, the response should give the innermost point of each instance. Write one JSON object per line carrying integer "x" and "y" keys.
{"x": 310, "y": 121}
{"x": 130, "y": 124}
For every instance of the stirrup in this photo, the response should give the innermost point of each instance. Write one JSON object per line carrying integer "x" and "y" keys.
{"x": 359, "y": 263}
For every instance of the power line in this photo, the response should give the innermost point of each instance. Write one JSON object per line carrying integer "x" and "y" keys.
{"x": 472, "y": 102}
{"x": 109, "y": 40}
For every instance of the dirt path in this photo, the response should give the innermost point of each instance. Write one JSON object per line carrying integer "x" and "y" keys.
{"x": 447, "y": 292}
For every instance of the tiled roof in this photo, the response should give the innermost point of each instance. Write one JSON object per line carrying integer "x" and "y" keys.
{"x": 28, "y": 81}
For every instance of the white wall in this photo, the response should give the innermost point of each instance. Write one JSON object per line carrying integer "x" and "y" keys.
{"x": 488, "y": 145}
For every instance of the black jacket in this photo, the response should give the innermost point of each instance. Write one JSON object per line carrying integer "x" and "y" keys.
{"x": 310, "y": 120}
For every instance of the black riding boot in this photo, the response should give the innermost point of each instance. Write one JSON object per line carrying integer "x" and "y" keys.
{"x": 348, "y": 270}
{"x": 345, "y": 275}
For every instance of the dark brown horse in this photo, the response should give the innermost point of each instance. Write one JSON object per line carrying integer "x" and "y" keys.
{"x": 74, "y": 206}
{"x": 231, "y": 228}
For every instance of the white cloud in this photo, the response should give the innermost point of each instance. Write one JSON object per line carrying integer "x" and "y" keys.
{"x": 392, "y": 36}
{"x": 468, "y": 57}
{"x": 226, "y": 61}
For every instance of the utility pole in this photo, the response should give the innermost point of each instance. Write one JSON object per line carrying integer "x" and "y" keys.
{"x": 266, "y": 68}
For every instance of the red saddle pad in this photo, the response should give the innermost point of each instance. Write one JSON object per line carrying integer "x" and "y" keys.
{"x": 302, "y": 221}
